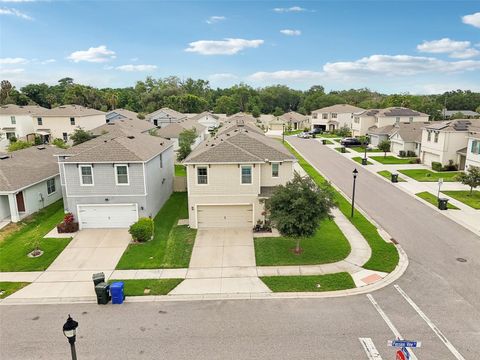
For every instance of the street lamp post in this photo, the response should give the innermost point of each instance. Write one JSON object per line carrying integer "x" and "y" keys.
{"x": 355, "y": 172}
{"x": 70, "y": 331}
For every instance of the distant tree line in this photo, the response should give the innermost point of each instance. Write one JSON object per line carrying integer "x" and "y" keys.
{"x": 193, "y": 96}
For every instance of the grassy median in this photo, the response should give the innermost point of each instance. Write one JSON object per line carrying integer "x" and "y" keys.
{"x": 432, "y": 199}
{"x": 309, "y": 283}
{"x": 142, "y": 287}
{"x": 464, "y": 196}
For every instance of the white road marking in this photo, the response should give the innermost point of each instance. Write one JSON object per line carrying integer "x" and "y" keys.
{"x": 432, "y": 326}
{"x": 370, "y": 349}
{"x": 389, "y": 323}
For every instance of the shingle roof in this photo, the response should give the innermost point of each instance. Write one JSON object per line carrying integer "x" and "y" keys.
{"x": 134, "y": 124}
{"x": 231, "y": 125}
{"x": 12, "y": 109}
{"x": 410, "y": 132}
{"x": 117, "y": 145}
{"x": 292, "y": 116}
{"x": 170, "y": 112}
{"x": 391, "y": 111}
{"x": 239, "y": 145}
{"x": 384, "y": 130}
{"x": 69, "y": 110}
{"x": 339, "y": 109}
{"x": 123, "y": 112}
{"x": 242, "y": 117}
{"x": 174, "y": 130}
{"x": 474, "y": 131}
{"x": 453, "y": 125}
{"x": 26, "y": 167}
{"x": 464, "y": 112}
{"x": 201, "y": 115}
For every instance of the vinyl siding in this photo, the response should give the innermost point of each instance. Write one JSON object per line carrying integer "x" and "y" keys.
{"x": 32, "y": 196}
{"x": 159, "y": 181}
{"x": 285, "y": 174}
{"x": 4, "y": 207}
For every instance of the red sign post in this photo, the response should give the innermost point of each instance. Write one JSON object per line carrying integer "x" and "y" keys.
{"x": 400, "y": 355}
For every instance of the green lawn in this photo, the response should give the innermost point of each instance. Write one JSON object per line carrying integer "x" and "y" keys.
{"x": 15, "y": 246}
{"x": 328, "y": 142}
{"x": 358, "y": 159}
{"x": 8, "y": 288}
{"x": 391, "y": 160}
{"x": 180, "y": 170}
{"x": 171, "y": 246}
{"x": 361, "y": 149}
{"x": 326, "y": 246}
{"x": 384, "y": 255}
{"x": 156, "y": 286}
{"x": 432, "y": 199}
{"x": 327, "y": 136}
{"x": 293, "y": 132}
{"x": 387, "y": 174}
{"x": 339, "y": 149}
{"x": 465, "y": 197}
{"x": 430, "y": 176}
{"x": 309, "y": 283}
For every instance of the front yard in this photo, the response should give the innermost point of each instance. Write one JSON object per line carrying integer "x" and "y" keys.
{"x": 358, "y": 159}
{"x": 8, "y": 288}
{"x": 391, "y": 160}
{"x": 309, "y": 283}
{"x": 361, "y": 149}
{"x": 388, "y": 175}
{"x": 171, "y": 246}
{"x": 432, "y": 199}
{"x": 472, "y": 200}
{"x": 328, "y": 245}
{"x": 18, "y": 240}
{"x": 424, "y": 175}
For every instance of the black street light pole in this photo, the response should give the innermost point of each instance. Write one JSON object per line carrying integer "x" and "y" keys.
{"x": 70, "y": 331}
{"x": 355, "y": 172}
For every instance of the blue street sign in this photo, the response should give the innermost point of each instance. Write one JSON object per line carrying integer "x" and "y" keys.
{"x": 406, "y": 353}
{"x": 404, "y": 343}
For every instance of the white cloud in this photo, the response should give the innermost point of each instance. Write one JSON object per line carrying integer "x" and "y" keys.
{"x": 222, "y": 76}
{"x": 138, "y": 68}
{"x": 283, "y": 75}
{"x": 397, "y": 65}
{"x": 48, "y": 61}
{"x": 11, "y": 71}
{"x": 291, "y": 32}
{"x": 465, "y": 54}
{"x": 11, "y": 61}
{"x": 290, "y": 9}
{"x": 215, "y": 19}
{"x": 444, "y": 45}
{"x": 222, "y": 47}
{"x": 93, "y": 54}
{"x": 472, "y": 19}
{"x": 14, "y": 12}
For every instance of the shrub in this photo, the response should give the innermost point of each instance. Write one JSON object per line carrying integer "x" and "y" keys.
{"x": 142, "y": 230}
{"x": 19, "y": 145}
{"x": 411, "y": 153}
{"x": 68, "y": 225}
{"x": 415, "y": 161}
{"x": 12, "y": 139}
{"x": 451, "y": 166}
{"x": 402, "y": 153}
{"x": 38, "y": 140}
{"x": 60, "y": 143}
{"x": 436, "y": 166}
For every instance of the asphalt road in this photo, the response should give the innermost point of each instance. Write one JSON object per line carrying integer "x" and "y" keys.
{"x": 447, "y": 291}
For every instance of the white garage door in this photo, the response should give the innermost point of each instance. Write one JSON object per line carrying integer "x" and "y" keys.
{"x": 429, "y": 157}
{"x": 215, "y": 216}
{"x": 108, "y": 216}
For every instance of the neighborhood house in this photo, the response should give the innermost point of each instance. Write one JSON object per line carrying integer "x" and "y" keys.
{"x": 334, "y": 117}
{"x": 16, "y": 121}
{"x": 165, "y": 116}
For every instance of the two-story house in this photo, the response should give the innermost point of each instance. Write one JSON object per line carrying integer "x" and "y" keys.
{"x": 402, "y": 136}
{"x": 445, "y": 141}
{"x": 172, "y": 132}
{"x": 333, "y": 117}
{"x": 472, "y": 157}
{"x": 61, "y": 122}
{"x": 229, "y": 176}
{"x": 206, "y": 119}
{"x": 29, "y": 181}
{"x": 291, "y": 120}
{"x": 113, "y": 179}
{"x": 165, "y": 116}
{"x": 16, "y": 121}
{"x": 363, "y": 121}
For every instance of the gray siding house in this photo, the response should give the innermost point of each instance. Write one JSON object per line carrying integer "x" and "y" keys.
{"x": 116, "y": 178}
{"x": 165, "y": 116}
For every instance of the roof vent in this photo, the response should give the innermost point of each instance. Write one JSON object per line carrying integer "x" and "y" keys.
{"x": 212, "y": 145}
{"x": 131, "y": 137}
{"x": 4, "y": 157}
{"x": 110, "y": 123}
{"x": 40, "y": 147}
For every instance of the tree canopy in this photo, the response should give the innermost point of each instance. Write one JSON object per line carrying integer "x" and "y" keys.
{"x": 196, "y": 95}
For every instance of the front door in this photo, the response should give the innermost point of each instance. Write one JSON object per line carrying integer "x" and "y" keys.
{"x": 20, "y": 202}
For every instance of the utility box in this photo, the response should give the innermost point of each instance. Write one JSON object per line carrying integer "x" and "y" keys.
{"x": 116, "y": 290}
{"x": 443, "y": 203}
{"x": 102, "y": 291}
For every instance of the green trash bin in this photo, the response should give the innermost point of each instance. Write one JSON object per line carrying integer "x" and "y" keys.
{"x": 103, "y": 293}
{"x": 324, "y": 142}
{"x": 443, "y": 203}
{"x": 394, "y": 178}
{"x": 342, "y": 149}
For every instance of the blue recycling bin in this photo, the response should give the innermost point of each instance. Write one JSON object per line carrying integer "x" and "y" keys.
{"x": 116, "y": 291}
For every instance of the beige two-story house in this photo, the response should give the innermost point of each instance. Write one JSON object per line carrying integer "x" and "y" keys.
{"x": 334, "y": 117}
{"x": 364, "y": 121}
{"x": 229, "y": 176}
{"x": 16, "y": 121}
{"x": 472, "y": 157}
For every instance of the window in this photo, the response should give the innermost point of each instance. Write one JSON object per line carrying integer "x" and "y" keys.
{"x": 397, "y": 119}
{"x": 121, "y": 172}
{"x": 86, "y": 175}
{"x": 356, "y": 119}
{"x": 161, "y": 161}
{"x": 429, "y": 136}
{"x": 72, "y": 121}
{"x": 410, "y": 119}
{"x": 13, "y": 120}
{"x": 435, "y": 139}
{"x": 315, "y": 115}
{"x": 334, "y": 115}
{"x": 10, "y": 135}
{"x": 155, "y": 122}
{"x": 65, "y": 137}
{"x": 246, "y": 175}
{"x": 202, "y": 175}
{"x": 51, "y": 186}
{"x": 324, "y": 116}
{"x": 39, "y": 121}
{"x": 475, "y": 147}
{"x": 275, "y": 168}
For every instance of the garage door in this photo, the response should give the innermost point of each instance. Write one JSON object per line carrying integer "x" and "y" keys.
{"x": 214, "y": 216}
{"x": 429, "y": 157}
{"x": 109, "y": 216}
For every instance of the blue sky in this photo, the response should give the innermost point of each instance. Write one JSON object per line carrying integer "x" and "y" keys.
{"x": 389, "y": 46}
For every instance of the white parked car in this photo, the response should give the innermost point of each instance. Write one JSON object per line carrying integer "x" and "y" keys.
{"x": 304, "y": 135}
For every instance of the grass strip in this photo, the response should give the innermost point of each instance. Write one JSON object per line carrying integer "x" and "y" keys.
{"x": 309, "y": 283}
{"x": 143, "y": 287}
{"x": 8, "y": 288}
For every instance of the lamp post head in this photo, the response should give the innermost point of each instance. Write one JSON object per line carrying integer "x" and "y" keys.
{"x": 70, "y": 329}
{"x": 355, "y": 172}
